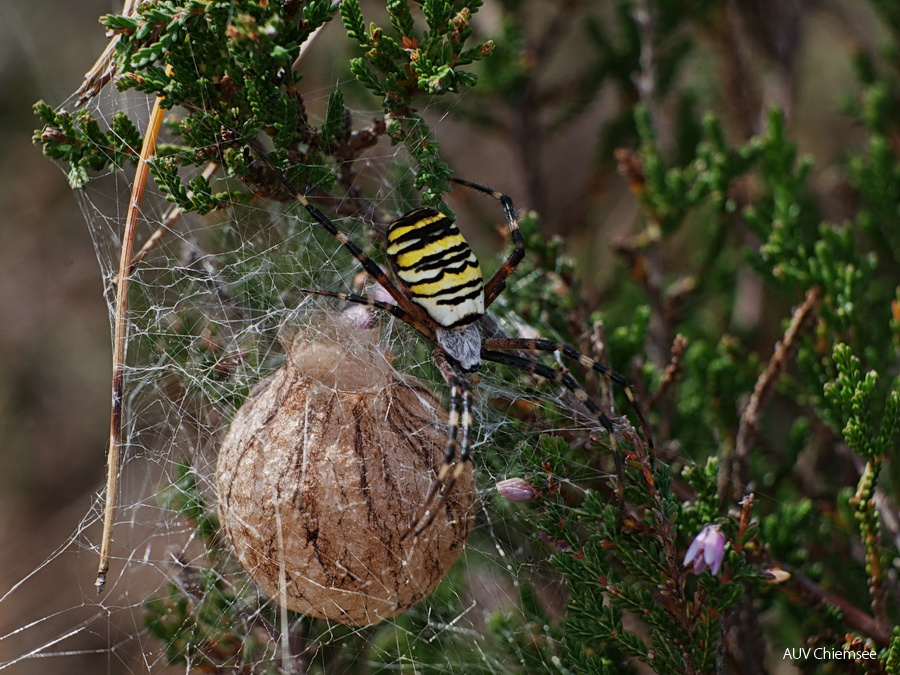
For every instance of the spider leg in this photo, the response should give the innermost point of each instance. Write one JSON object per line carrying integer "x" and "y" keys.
{"x": 544, "y": 345}
{"x": 355, "y": 298}
{"x": 459, "y": 433}
{"x": 416, "y": 316}
{"x": 569, "y": 382}
{"x": 497, "y": 283}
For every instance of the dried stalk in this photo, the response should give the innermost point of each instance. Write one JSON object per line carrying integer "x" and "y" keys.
{"x": 120, "y": 336}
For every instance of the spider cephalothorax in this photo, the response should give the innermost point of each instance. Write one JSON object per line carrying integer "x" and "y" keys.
{"x": 439, "y": 291}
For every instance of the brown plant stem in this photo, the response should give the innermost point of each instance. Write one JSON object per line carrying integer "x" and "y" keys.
{"x": 733, "y": 474}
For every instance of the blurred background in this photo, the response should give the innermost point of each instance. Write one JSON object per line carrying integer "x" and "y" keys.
{"x": 54, "y": 334}
{"x": 54, "y": 328}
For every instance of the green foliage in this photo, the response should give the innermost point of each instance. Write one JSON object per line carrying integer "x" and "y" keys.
{"x": 854, "y": 401}
{"x": 404, "y": 62}
{"x": 201, "y": 621}
{"x": 183, "y": 495}
{"x": 77, "y": 140}
{"x": 892, "y": 660}
{"x": 853, "y": 268}
{"x": 788, "y": 412}
{"x": 229, "y": 65}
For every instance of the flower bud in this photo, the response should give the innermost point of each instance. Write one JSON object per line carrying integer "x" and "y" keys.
{"x": 517, "y": 490}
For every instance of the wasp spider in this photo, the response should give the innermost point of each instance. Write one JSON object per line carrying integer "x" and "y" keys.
{"x": 441, "y": 294}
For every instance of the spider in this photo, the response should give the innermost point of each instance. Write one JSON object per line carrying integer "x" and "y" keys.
{"x": 441, "y": 294}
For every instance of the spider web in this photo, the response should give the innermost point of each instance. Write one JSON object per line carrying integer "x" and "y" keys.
{"x": 206, "y": 308}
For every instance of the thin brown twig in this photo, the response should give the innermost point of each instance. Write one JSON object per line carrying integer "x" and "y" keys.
{"x": 734, "y": 473}
{"x": 598, "y": 343}
{"x": 645, "y": 80}
{"x": 103, "y": 70}
{"x": 672, "y": 590}
{"x": 857, "y": 619}
{"x": 168, "y": 220}
{"x": 673, "y": 369}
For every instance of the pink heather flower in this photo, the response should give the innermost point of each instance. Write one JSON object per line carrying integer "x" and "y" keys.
{"x": 517, "y": 490}
{"x": 561, "y": 544}
{"x": 707, "y": 551}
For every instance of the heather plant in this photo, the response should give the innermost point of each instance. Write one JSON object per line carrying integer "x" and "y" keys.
{"x": 754, "y": 312}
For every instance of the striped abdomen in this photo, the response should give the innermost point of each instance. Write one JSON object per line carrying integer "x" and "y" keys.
{"x": 434, "y": 261}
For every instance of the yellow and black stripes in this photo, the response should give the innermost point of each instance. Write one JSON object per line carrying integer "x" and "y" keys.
{"x": 433, "y": 260}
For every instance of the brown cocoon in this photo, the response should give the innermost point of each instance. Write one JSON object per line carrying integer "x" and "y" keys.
{"x": 324, "y": 469}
